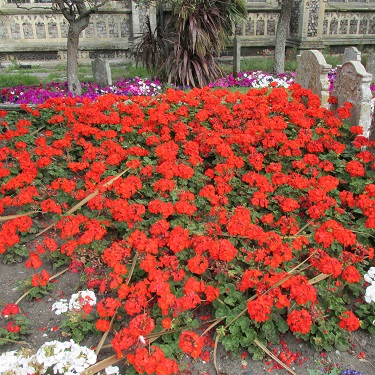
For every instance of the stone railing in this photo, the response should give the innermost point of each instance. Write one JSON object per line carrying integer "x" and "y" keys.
{"x": 39, "y": 34}
{"x": 33, "y": 32}
{"x": 315, "y": 23}
{"x": 355, "y": 25}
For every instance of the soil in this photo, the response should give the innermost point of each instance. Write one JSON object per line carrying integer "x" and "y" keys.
{"x": 45, "y": 324}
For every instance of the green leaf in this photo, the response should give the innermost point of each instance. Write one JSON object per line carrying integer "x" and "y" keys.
{"x": 268, "y": 328}
{"x": 234, "y": 328}
{"x": 77, "y": 335}
{"x": 244, "y": 323}
{"x": 194, "y": 324}
{"x": 357, "y": 185}
{"x": 230, "y": 300}
{"x": 314, "y": 372}
{"x": 246, "y": 341}
{"x": 341, "y": 343}
{"x": 168, "y": 351}
{"x": 282, "y": 325}
{"x": 258, "y": 354}
{"x": 131, "y": 371}
{"x": 231, "y": 343}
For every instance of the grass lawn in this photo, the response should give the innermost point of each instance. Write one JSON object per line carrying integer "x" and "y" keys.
{"x": 14, "y": 75}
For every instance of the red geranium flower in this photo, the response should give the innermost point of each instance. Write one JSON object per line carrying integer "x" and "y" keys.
{"x": 299, "y": 321}
{"x": 191, "y": 344}
{"x": 349, "y": 321}
{"x": 10, "y": 309}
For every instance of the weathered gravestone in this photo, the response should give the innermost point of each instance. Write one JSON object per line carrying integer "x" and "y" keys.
{"x": 312, "y": 73}
{"x": 372, "y": 128}
{"x": 352, "y": 85}
{"x": 351, "y": 54}
{"x": 101, "y": 72}
{"x": 370, "y": 64}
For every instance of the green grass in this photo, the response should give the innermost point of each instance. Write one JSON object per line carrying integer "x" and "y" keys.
{"x": 265, "y": 64}
{"x": 13, "y": 76}
{"x": 9, "y": 80}
{"x": 333, "y": 60}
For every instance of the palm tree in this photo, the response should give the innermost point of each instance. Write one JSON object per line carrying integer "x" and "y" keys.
{"x": 199, "y": 31}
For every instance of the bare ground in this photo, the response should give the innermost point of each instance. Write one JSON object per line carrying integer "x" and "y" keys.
{"x": 45, "y": 323}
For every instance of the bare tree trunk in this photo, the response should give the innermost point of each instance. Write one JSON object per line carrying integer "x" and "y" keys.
{"x": 281, "y": 35}
{"x": 75, "y": 28}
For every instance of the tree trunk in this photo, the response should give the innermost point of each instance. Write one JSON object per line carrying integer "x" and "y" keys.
{"x": 281, "y": 35}
{"x": 75, "y": 28}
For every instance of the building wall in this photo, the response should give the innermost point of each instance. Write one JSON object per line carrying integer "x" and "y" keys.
{"x": 36, "y": 33}
{"x": 314, "y": 24}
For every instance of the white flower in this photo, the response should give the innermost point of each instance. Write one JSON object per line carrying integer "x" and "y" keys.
{"x": 111, "y": 370}
{"x": 8, "y": 361}
{"x": 370, "y": 294}
{"x": 22, "y": 362}
{"x": 60, "y": 306}
{"x": 80, "y": 299}
{"x": 370, "y": 275}
{"x": 65, "y": 357}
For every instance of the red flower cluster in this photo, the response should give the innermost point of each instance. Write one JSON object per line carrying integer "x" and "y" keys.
{"x": 191, "y": 344}
{"x": 41, "y": 279}
{"x": 349, "y": 321}
{"x": 299, "y": 321}
{"x": 10, "y": 309}
{"x": 202, "y": 188}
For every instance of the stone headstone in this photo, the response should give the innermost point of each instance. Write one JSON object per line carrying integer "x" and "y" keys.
{"x": 352, "y": 85}
{"x": 101, "y": 72}
{"x": 351, "y": 54}
{"x": 372, "y": 128}
{"x": 236, "y": 56}
{"x": 370, "y": 64}
{"x": 312, "y": 73}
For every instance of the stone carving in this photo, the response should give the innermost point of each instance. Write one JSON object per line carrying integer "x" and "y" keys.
{"x": 352, "y": 85}
{"x": 259, "y": 24}
{"x": 105, "y": 54}
{"x": 312, "y": 73}
{"x": 52, "y": 30}
{"x": 40, "y": 29}
{"x": 89, "y": 32}
{"x": 351, "y": 23}
{"x": 363, "y": 26}
{"x": 344, "y": 26}
{"x": 3, "y": 30}
{"x": 28, "y": 32}
{"x": 370, "y": 65}
{"x": 101, "y": 72}
{"x": 353, "y": 26}
{"x": 351, "y": 54}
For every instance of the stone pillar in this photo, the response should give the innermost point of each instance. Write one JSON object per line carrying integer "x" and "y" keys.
{"x": 311, "y": 17}
{"x": 139, "y": 14}
{"x": 236, "y": 55}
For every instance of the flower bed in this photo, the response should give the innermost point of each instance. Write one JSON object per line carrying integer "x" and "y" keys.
{"x": 139, "y": 86}
{"x": 39, "y": 94}
{"x": 258, "y": 207}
